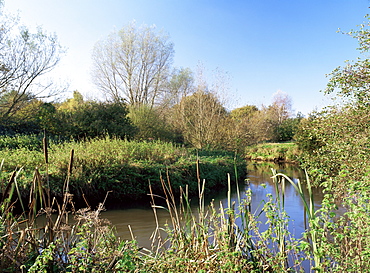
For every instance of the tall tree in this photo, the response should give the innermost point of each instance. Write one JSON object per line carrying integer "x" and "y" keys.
{"x": 273, "y": 116}
{"x": 132, "y": 65}
{"x": 180, "y": 85}
{"x": 201, "y": 119}
{"x": 281, "y": 107}
{"x": 24, "y": 58}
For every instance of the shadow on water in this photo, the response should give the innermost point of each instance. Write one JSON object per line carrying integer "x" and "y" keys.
{"x": 142, "y": 221}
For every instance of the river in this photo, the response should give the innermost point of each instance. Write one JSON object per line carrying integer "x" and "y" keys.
{"x": 142, "y": 221}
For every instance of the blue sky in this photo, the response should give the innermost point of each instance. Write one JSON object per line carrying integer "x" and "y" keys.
{"x": 263, "y": 45}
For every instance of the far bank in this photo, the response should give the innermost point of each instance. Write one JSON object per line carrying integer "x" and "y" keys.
{"x": 123, "y": 168}
{"x": 276, "y": 152}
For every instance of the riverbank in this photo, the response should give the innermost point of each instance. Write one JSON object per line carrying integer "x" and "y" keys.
{"x": 224, "y": 237}
{"x": 276, "y": 152}
{"x": 123, "y": 168}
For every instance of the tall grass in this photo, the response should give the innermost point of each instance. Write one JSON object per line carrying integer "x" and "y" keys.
{"x": 65, "y": 241}
{"x": 125, "y": 167}
{"x": 287, "y": 152}
{"x": 231, "y": 238}
{"x": 224, "y": 237}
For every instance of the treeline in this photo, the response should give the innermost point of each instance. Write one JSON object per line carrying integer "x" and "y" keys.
{"x": 199, "y": 120}
{"x": 145, "y": 96}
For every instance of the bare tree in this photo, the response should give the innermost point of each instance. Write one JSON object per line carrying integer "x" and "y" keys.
{"x": 24, "y": 58}
{"x": 281, "y": 107}
{"x": 270, "y": 118}
{"x": 132, "y": 65}
{"x": 180, "y": 85}
{"x": 201, "y": 116}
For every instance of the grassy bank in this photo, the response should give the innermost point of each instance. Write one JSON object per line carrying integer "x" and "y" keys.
{"x": 125, "y": 168}
{"x": 285, "y": 152}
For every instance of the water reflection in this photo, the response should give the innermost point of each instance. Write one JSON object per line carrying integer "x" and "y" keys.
{"x": 260, "y": 174}
{"x": 143, "y": 223}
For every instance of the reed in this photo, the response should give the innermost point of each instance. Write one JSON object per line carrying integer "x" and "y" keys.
{"x": 100, "y": 165}
{"x": 56, "y": 237}
{"x": 309, "y": 211}
{"x": 223, "y": 237}
{"x": 196, "y": 241}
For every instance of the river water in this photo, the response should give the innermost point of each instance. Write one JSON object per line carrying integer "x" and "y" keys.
{"x": 142, "y": 220}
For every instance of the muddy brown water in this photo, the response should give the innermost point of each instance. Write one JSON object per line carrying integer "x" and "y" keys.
{"x": 142, "y": 220}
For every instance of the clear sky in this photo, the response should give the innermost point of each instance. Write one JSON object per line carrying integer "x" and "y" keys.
{"x": 263, "y": 45}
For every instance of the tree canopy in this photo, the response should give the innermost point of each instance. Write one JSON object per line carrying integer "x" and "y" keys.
{"x": 352, "y": 80}
{"x": 132, "y": 65}
{"x": 24, "y": 58}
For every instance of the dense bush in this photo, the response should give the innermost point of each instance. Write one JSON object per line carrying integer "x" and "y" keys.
{"x": 150, "y": 124}
{"x": 287, "y": 129}
{"x": 335, "y": 145}
{"x": 93, "y": 119}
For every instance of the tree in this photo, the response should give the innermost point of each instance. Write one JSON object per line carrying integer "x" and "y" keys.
{"x": 24, "y": 58}
{"x": 335, "y": 144}
{"x": 272, "y": 117}
{"x": 150, "y": 123}
{"x": 46, "y": 117}
{"x": 245, "y": 112}
{"x": 251, "y": 125}
{"x": 180, "y": 85}
{"x": 200, "y": 115}
{"x": 281, "y": 107}
{"x": 73, "y": 103}
{"x": 201, "y": 119}
{"x": 288, "y": 128}
{"x": 242, "y": 129}
{"x": 132, "y": 65}
{"x": 352, "y": 81}
{"x": 335, "y": 141}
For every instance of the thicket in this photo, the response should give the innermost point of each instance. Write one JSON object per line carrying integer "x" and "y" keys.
{"x": 334, "y": 147}
{"x": 335, "y": 141}
{"x": 76, "y": 119}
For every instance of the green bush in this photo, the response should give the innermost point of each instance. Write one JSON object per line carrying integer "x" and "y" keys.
{"x": 335, "y": 142}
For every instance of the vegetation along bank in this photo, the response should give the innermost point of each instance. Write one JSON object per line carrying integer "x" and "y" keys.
{"x": 123, "y": 168}
{"x": 277, "y": 152}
